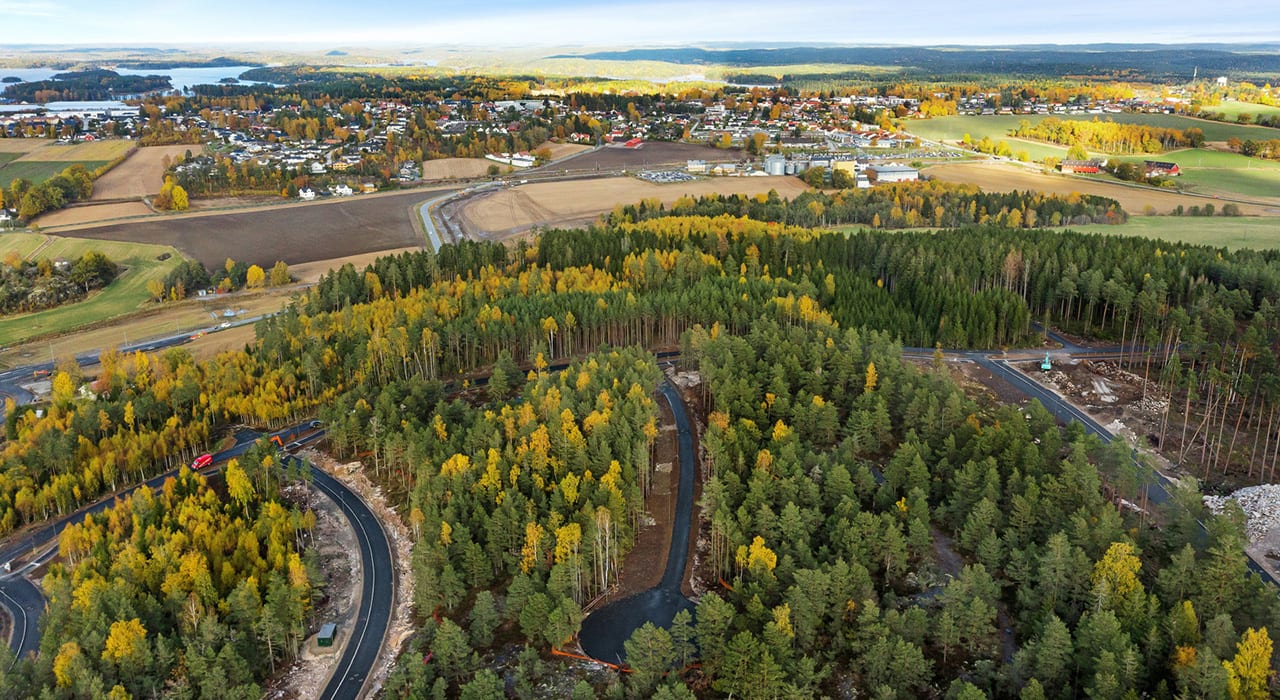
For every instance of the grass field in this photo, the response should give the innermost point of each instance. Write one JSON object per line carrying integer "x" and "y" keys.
{"x": 38, "y": 171}
{"x": 998, "y": 126}
{"x": 1231, "y": 232}
{"x": 6, "y": 157}
{"x": 1216, "y": 172}
{"x": 127, "y": 293}
{"x": 1232, "y": 109}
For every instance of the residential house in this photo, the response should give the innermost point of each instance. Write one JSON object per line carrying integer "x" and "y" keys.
{"x": 1155, "y": 168}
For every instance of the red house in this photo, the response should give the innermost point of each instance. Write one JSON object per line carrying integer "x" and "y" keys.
{"x": 1154, "y": 168}
{"x": 634, "y": 143}
{"x": 1081, "y": 166}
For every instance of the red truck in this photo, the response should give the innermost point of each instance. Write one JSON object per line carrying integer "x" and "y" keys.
{"x": 202, "y": 461}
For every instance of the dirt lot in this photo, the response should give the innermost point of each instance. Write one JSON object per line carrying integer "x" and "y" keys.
{"x": 139, "y": 175}
{"x": 312, "y": 271}
{"x": 455, "y": 168}
{"x": 516, "y": 209}
{"x": 294, "y": 233}
{"x": 74, "y": 216}
{"x": 1000, "y": 177}
{"x": 650, "y": 154}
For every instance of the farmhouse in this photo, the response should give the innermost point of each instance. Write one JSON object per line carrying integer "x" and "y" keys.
{"x": 1155, "y": 168}
{"x": 1081, "y": 166}
{"x": 892, "y": 172}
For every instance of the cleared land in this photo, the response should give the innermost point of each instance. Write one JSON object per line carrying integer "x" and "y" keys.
{"x": 139, "y": 175}
{"x": 1256, "y": 232}
{"x": 515, "y": 209}
{"x": 126, "y": 294}
{"x": 1003, "y": 177}
{"x": 455, "y": 168}
{"x": 998, "y": 126}
{"x": 294, "y": 233}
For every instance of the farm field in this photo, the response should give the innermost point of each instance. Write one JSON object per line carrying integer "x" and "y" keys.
{"x": 81, "y": 152}
{"x": 40, "y": 170}
{"x": 6, "y": 157}
{"x": 998, "y": 126}
{"x": 1217, "y": 172}
{"x": 126, "y": 294}
{"x": 1232, "y": 109}
{"x": 1002, "y": 177}
{"x": 20, "y": 145}
{"x": 294, "y": 233}
{"x": 74, "y": 216}
{"x": 141, "y": 174}
{"x": 513, "y": 210}
{"x": 1256, "y": 232}
{"x": 560, "y": 150}
{"x": 456, "y": 168}
{"x": 648, "y": 155}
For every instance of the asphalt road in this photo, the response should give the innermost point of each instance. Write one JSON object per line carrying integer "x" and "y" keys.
{"x": 377, "y": 592}
{"x": 605, "y": 631}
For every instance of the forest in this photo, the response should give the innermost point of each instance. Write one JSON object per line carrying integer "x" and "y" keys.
{"x": 188, "y": 592}
{"x": 96, "y": 84}
{"x": 1110, "y": 137}
{"x": 874, "y": 527}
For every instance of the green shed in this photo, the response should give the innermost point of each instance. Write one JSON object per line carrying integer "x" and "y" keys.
{"x": 327, "y": 632}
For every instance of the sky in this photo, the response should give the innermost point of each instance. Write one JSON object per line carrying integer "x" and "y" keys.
{"x": 509, "y": 23}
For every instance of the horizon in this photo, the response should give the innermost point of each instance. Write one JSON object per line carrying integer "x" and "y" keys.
{"x": 511, "y": 25}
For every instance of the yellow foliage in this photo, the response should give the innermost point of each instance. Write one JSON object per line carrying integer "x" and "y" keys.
{"x": 68, "y": 654}
{"x": 782, "y": 619}
{"x": 1249, "y": 673}
{"x": 446, "y": 533}
{"x": 457, "y": 464}
{"x": 126, "y": 642}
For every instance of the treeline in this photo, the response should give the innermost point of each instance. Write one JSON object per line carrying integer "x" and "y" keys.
{"x": 1110, "y": 137}
{"x": 894, "y": 205}
{"x": 73, "y": 184}
{"x": 34, "y": 285}
{"x": 184, "y": 592}
{"x": 1263, "y": 148}
{"x": 191, "y": 275}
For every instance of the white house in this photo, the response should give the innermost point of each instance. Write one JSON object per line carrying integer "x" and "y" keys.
{"x": 306, "y": 194}
{"x": 892, "y": 172}
{"x": 341, "y": 190}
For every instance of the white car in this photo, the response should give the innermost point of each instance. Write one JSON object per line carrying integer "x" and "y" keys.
{"x": 224, "y": 324}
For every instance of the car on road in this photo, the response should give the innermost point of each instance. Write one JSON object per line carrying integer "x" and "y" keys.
{"x": 202, "y": 461}
{"x": 224, "y": 324}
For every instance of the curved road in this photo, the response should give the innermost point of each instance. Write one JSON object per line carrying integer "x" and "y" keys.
{"x": 25, "y": 602}
{"x": 605, "y": 631}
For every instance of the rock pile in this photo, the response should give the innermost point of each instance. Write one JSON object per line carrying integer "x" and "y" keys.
{"x": 1261, "y": 505}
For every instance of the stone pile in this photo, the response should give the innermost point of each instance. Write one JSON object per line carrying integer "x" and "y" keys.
{"x": 1261, "y": 505}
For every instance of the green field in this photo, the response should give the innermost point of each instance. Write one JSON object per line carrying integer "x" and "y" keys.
{"x": 998, "y": 126}
{"x": 37, "y": 171}
{"x": 127, "y": 293}
{"x": 6, "y": 157}
{"x": 1216, "y": 172}
{"x": 1256, "y": 232}
{"x": 1231, "y": 108}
